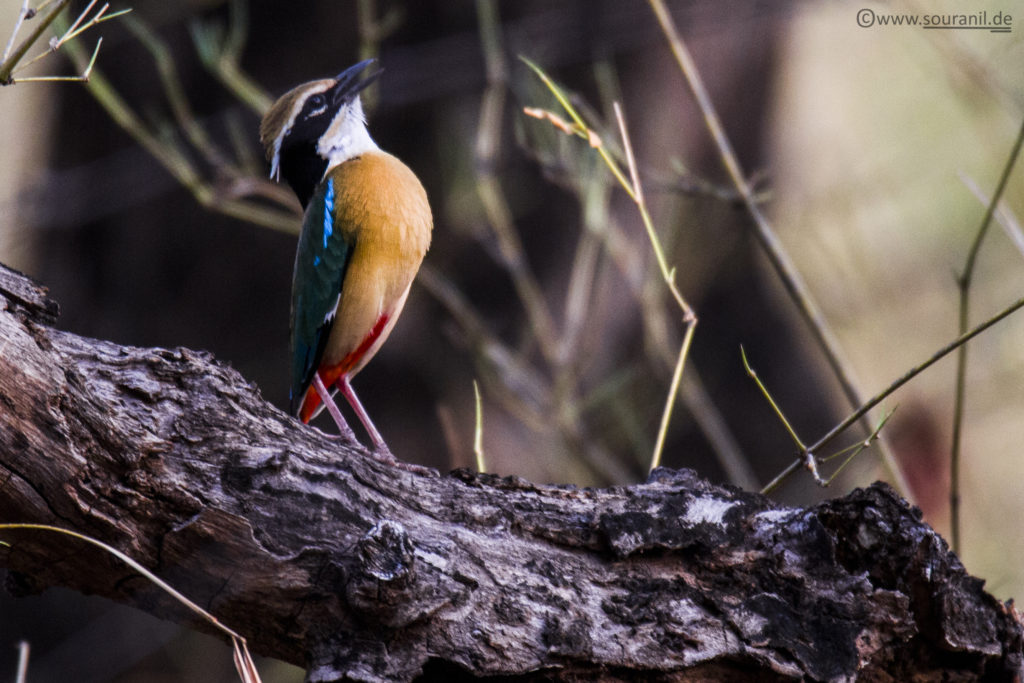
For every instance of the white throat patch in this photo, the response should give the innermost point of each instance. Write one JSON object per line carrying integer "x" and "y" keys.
{"x": 346, "y": 137}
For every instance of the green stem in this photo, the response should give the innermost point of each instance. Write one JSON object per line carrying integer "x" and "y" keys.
{"x": 964, "y": 283}
{"x": 673, "y": 392}
{"x": 478, "y": 429}
{"x": 909, "y": 375}
{"x": 771, "y": 401}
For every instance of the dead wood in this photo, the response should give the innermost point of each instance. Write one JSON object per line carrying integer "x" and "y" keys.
{"x": 327, "y": 558}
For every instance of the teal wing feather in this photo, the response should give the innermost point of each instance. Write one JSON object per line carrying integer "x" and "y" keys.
{"x": 321, "y": 259}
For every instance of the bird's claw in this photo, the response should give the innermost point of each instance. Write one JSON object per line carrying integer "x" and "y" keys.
{"x": 382, "y": 453}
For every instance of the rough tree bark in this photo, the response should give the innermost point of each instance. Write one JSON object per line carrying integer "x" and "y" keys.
{"x": 353, "y": 569}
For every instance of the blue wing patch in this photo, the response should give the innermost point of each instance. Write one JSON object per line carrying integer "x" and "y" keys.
{"x": 328, "y": 211}
{"x": 321, "y": 259}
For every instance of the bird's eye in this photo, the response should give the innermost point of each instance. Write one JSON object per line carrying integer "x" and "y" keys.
{"x": 316, "y": 105}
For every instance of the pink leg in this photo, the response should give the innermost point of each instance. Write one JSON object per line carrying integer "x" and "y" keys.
{"x": 380, "y": 451}
{"x": 353, "y": 400}
{"x": 332, "y": 408}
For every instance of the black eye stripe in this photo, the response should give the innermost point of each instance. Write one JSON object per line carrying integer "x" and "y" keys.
{"x": 308, "y": 126}
{"x": 315, "y": 106}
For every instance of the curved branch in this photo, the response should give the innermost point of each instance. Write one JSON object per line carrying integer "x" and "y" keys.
{"x": 354, "y": 569}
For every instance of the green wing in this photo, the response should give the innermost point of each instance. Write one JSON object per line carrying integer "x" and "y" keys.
{"x": 320, "y": 262}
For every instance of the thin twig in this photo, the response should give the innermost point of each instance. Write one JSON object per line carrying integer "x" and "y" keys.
{"x": 98, "y": 19}
{"x": 157, "y": 581}
{"x": 856, "y": 448}
{"x": 881, "y": 396}
{"x": 594, "y": 196}
{"x": 499, "y": 215}
{"x": 689, "y": 317}
{"x": 579, "y": 128}
{"x": 964, "y": 284}
{"x": 522, "y": 388}
{"x": 668, "y": 274}
{"x": 866, "y": 443}
{"x": 649, "y": 299}
{"x": 807, "y": 456}
{"x": 626, "y": 259}
{"x": 562, "y": 397}
{"x": 23, "y": 14}
{"x": 244, "y": 665}
{"x": 523, "y": 391}
{"x": 83, "y": 78}
{"x": 7, "y": 67}
{"x": 673, "y": 393}
{"x": 372, "y": 32}
{"x": 243, "y": 660}
{"x": 71, "y": 34}
{"x": 220, "y": 52}
{"x": 634, "y": 189}
{"x": 176, "y": 161}
{"x": 1011, "y": 226}
{"x": 784, "y": 267}
{"x": 24, "y": 649}
{"x": 81, "y": 16}
{"x": 478, "y": 429}
{"x": 175, "y": 92}
{"x": 771, "y": 400}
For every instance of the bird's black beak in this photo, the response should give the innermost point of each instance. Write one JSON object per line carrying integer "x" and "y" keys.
{"x": 347, "y": 84}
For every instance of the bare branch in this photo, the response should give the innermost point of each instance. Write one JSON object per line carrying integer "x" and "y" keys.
{"x": 352, "y": 568}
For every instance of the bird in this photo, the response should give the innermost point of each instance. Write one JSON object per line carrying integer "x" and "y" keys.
{"x": 366, "y": 228}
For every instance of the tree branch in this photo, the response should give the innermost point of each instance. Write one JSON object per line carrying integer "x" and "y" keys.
{"x": 354, "y": 569}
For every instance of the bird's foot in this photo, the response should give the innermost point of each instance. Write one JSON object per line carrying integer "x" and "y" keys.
{"x": 343, "y": 439}
{"x": 381, "y": 453}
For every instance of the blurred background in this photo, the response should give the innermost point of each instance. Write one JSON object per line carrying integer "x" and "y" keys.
{"x": 863, "y": 144}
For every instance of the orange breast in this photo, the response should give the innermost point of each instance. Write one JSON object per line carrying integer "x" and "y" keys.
{"x": 381, "y": 209}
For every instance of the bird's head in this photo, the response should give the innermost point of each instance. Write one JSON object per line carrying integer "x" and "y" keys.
{"x": 316, "y": 126}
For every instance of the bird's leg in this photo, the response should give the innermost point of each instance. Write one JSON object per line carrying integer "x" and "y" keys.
{"x": 353, "y": 400}
{"x": 332, "y": 408}
{"x": 380, "y": 450}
